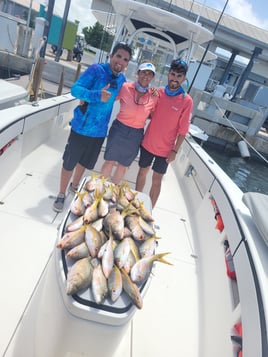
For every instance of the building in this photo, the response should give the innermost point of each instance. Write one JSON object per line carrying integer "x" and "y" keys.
{"x": 240, "y": 69}
{"x": 21, "y": 9}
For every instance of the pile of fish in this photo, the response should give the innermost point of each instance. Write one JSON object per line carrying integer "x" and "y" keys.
{"x": 111, "y": 242}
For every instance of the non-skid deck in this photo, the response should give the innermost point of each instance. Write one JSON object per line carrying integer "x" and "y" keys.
{"x": 168, "y": 321}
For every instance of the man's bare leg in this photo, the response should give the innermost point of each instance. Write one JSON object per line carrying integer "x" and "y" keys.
{"x": 156, "y": 187}
{"x": 78, "y": 173}
{"x": 65, "y": 177}
{"x": 141, "y": 178}
{"x": 64, "y": 180}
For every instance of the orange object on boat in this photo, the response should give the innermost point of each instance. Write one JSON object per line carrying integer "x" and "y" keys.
{"x": 220, "y": 225}
{"x": 238, "y": 338}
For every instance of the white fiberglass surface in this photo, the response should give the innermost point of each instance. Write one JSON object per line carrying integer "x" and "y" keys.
{"x": 168, "y": 320}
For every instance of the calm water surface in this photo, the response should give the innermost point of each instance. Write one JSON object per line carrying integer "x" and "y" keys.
{"x": 250, "y": 175}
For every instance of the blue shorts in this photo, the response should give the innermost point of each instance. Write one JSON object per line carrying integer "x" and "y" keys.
{"x": 81, "y": 149}
{"x": 160, "y": 164}
{"x": 123, "y": 143}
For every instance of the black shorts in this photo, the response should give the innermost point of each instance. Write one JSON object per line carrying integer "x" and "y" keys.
{"x": 160, "y": 164}
{"x": 81, "y": 149}
{"x": 123, "y": 143}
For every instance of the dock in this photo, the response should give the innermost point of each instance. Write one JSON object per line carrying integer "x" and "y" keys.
{"x": 209, "y": 111}
{"x": 52, "y": 74}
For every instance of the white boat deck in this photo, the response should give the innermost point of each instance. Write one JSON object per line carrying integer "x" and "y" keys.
{"x": 190, "y": 308}
{"x": 168, "y": 321}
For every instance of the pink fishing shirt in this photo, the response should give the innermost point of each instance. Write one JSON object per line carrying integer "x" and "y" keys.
{"x": 171, "y": 118}
{"x": 132, "y": 114}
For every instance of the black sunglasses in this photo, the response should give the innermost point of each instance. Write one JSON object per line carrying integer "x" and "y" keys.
{"x": 113, "y": 82}
{"x": 143, "y": 100}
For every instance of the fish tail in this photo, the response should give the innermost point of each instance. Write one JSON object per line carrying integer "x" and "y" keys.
{"x": 161, "y": 259}
{"x": 127, "y": 211}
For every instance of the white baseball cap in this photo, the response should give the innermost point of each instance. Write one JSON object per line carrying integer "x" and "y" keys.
{"x": 146, "y": 66}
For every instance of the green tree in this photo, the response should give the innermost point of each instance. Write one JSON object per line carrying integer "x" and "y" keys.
{"x": 96, "y": 36}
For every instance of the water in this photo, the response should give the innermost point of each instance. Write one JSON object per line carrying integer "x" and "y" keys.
{"x": 250, "y": 175}
{"x": 5, "y": 73}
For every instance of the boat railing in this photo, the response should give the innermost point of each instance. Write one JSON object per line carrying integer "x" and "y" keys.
{"x": 242, "y": 299}
{"x": 25, "y": 127}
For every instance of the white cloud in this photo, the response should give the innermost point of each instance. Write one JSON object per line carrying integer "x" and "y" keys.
{"x": 244, "y": 10}
{"x": 254, "y": 12}
{"x": 79, "y": 10}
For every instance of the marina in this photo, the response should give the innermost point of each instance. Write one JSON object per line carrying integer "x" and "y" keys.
{"x": 212, "y": 300}
{"x": 229, "y": 92}
{"x": 248, "y": 174}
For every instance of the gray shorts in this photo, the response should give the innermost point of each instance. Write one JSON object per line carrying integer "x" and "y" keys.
{"x": 123, "y": 143}
{"x": 81, "y": 149}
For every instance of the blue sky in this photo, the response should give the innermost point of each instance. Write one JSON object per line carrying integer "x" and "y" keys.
{"x": 254, "y": 12}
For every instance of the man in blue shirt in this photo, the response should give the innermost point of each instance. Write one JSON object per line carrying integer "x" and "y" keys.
{"x": 97, "y": 89}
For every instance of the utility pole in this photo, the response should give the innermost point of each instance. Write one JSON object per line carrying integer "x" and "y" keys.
{"x": 27, "y": 28}
{"x": 40, "y": 58}
{"x": 50, "y": 8}
{"x": 62, "y": 31}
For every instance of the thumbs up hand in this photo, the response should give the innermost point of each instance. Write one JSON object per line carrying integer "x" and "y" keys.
{"x": 105, "y": 94}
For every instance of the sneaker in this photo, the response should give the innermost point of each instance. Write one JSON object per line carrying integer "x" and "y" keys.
{"x": 73, "y": 189}
{"x": 59, "y": 203}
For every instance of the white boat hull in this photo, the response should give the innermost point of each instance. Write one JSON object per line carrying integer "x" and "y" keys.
{"x": 193, "y": 305}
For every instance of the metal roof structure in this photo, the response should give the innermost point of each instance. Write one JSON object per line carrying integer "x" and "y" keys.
{"x": 230, "y": 22}
{"x": 231, "y": 34}
{"x": 130, "y": 18}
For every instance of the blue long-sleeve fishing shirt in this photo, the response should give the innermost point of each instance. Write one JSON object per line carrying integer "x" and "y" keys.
{"x": 94, "y": 122}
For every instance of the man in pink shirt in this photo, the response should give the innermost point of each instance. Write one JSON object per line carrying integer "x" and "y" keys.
{"x": 167, "y": 129}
